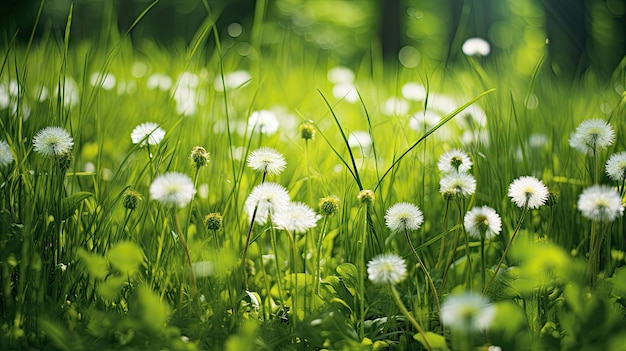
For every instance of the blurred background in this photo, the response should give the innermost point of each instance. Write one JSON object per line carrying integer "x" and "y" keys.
{"x": 574, "y": 36}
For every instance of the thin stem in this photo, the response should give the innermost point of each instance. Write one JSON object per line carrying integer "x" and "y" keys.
{"x": 508, "y": 246}
{"x": 407, "y": 314}
{"x": 294, "y": 271}
{"x": 318, "y": 257}
{"x": 363, "y": 271}
{"x": 278, "y": 270}
{"x": 424, "y": 269}
{"x": 186, "y": 249}
{"x": 443, "y": 237}
{"x": 482, "y": 261}
{"x": 469, "y": 260}
{"x": 452, "y": 254}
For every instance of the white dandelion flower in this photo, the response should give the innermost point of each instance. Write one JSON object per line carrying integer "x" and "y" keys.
{"x": 346, "y": 91}
{"x": 173, "y": 189}
{"x": 403, "y": 216}
{"x": 591, "y": 136}
{"x": 266, "y": 160}
{"x": 53, "y": 141}
{"x": 340, "y": 75}
{"x": 6, "y": 157}
{"x": 268, "y": 199}
{"x": 102, "y": 80}
{"x": 360, "y": 139}
{"x": 528, "y": 192}
{"x": 296, "y": 217}
{"x": 232, "y": 80}
{"x": 423, "y": 121}
{"x": 616, "y": 166}
{"x": 159, "y": 81}
{"x": 264, "y": 121}
{"x": 454, "y": 161}
{"x": 482, "y": 222}
{"x": 414, "y": 92}
{"x": 457, "y": 184}
{"x": 386, "y": 269}
{"x": 600, "y": 203}
{"x": 467, "y": 312}
{"x": 476, "y": 47}
{"x": 395, "y": 106}
{"x": 148, "y": 133}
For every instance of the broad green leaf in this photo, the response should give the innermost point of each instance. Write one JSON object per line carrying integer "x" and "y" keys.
{"x": 97, "y": 265}
{"x": 125, "y": 257}
{"x": 154, "y": 312}
{"x": 348, "y": 272}
{"x": 436, "y": 341}
{"x": 70, "y": 204}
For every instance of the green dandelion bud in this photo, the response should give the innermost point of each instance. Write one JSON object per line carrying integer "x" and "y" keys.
{"x": 199, "y": 157}
{"x": 131, "y": 199}
{"x": 213, "y": 221}
{"x": 366, "y": 197}
{"x": 307, "y": 130}
{"x": 329, "y": 205}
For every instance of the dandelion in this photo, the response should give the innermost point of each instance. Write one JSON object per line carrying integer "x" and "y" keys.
{"x": 232, "y": 80}
{"x": 296, "y": 217}
{"x": 307, "y": 130}
{"x": 266, "y": 160}
{"x": 6, "y": 157}
{"x": 454, "y": 185}
{"x": 592, "y": 135}
{"x": 386, "y": 269}
{"x": 264, "y": 121}
{"x": 467, "y": 312}
{"x": 403, "y": 216}
{"x": 148, "y": 133}
{"x": 346, "y": 91}
{"x": 329, "y": 205}
{"x": 361, "y": 140}
{"x": 213, "y": 221}
{"x": 395, "y": 106}
{"x": 366, "y": 197}
{"x": 102, "y": 80}
{"x": 414, "y": 92}
{"x": 199, "y": 157}
{"x": 600, "y": 203}
{"x": 173, "y": 189}
{"x": 339, "y": 74}
{"x": 482, "y": 222}
{"x": 131, "y": 199}
{"x": 616, "y": 166}
{"x": 528, "y": 192}
{"x": 476, "y": 47}
{"x": 159, "y": 81}
{"x": 53, "y": 141}
{"x": 454, "y": 161}
{"x": 268, "y": 199}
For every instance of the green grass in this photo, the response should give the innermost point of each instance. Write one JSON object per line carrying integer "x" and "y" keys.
{"x": 79, "y": 271}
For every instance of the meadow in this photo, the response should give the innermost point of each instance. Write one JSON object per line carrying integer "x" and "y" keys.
{"x": 255, "y": 196}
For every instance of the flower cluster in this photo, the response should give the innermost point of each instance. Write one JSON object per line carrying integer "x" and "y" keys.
{"x": 456, "y": 181}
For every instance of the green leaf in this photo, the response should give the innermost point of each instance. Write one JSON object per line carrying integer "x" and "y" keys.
{"x": 619, "y": 282}
{"x": 70, "y": 204}
{"x": 154, "y": 312}
{"x": 348, "y": 272}
{"x": 436, "y": 341}
{"x": 125, "y": 257}
{"x": 96, "y": 265}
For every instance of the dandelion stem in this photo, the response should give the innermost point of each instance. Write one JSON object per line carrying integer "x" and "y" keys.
{"x": 508, "y": 246}
{"x": 424, "y": 269}
{"x": 407, "y": 314}
{"x": 278, "y": 270}
{"x": 318, "y": 257}
{"x": 452, "y": 254}
{"x": 183, "y": 241}
{"x": 482, "y": 261}
{"x": 443, "y": 237}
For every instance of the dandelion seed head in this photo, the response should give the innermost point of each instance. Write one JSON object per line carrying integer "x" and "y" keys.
{"x": 591, "y": 136}
{"x": 270, "y": 198}
{"x": 6, "y": 157}
{"x": 53, "y": 141}
{"x": 403, "y": 216}
{"x": 148, "y": 133}
{"x": 467, "y": 312}
{"x": 600, "y": 203}
{"x": 266, "y": 160}
{"x": 264, "y": 121}
{"x": 453, "y": 185}
{"x": 616, "y": 166}
{"x": 528, "y": 191}
{"x": 482, "y": 222}
{"x": 386, "y": 269}
{"x": 454, "y": 161}
{"x": 296, "y": 217}
{"x": 476, "y": 47}
{"x": 172, "y": 189}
